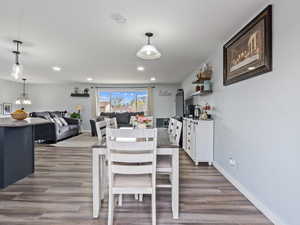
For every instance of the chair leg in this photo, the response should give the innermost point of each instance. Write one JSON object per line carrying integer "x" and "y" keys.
{"x": 120, "y": 200}
{"x": 110, "y": 209}
{"x": 153, "y": 208}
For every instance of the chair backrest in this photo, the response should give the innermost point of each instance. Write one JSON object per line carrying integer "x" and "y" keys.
{"x": 131, "y": 151}
{"x": 171, "y": 125}
{"x": 111, "y": 122}
{"x": 150, "y": 118}
{"x": 132, "y": 120}
{"x": 101, "y": 130}
{"x": 177, "y": 132}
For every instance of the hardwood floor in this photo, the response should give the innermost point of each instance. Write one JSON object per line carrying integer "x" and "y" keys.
{"x": 59, "y": 193}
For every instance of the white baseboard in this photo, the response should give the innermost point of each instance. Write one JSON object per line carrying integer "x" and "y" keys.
{"x": 256, "y": 202}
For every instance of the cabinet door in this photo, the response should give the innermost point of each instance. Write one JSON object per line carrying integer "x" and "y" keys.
{"x": 203, "y": 141}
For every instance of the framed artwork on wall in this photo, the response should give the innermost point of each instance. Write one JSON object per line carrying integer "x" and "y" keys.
{"x": 7, "y": 108}
{"x": 249, "y": 52}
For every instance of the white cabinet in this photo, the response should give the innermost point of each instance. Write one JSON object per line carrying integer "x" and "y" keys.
{"x": 198, "y": 139}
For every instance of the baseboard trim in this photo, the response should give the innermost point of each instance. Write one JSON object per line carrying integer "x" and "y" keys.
{"x": 256, "y": 202}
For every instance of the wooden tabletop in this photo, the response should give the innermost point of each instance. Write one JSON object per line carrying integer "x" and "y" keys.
{"x": 163, "y": 140}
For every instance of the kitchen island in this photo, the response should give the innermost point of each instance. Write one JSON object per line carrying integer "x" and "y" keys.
{"x": 17, "y": 149}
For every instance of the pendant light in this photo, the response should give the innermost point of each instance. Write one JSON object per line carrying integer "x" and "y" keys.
{"x": 148, "y": 51}
{"x": 17, "y": 70}
{"x": 23, "y": 99}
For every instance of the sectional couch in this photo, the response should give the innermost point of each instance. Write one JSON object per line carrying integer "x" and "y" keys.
{"x": 53, "y": 131}
{"x": 123, "y": 119}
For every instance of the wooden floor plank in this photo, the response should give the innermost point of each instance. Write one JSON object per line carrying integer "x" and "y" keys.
{"x": 59, "y": 193}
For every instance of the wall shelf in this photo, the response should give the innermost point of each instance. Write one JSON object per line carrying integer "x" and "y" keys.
{"x": 201, "y": 81}
{"x": 202, "y": 93}
{"x": 80, "y": 95}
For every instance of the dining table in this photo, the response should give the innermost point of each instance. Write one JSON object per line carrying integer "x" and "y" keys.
{"x": 165, "y": 147}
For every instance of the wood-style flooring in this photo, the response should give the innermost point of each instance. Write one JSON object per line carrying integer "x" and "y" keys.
{"x": 60, "y": 193}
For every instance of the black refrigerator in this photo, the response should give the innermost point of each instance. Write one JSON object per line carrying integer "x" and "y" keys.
{"x": 180, "y": 103}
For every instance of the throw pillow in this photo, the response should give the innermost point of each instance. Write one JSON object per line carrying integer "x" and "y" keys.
{"x": 123, "y": 118}
{"x": 63, "y": 121}
{"x": 58, "y": 122}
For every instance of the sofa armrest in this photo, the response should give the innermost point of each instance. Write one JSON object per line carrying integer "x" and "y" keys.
{"x": 72, "y": 121}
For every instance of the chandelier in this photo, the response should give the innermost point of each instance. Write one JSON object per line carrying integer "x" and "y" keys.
{"x": 23, "y": 99}
{"x": 148, "y": 51}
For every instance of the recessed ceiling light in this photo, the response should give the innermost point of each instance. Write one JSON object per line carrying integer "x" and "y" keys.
{"x": 118, "y": 18}
{"x": 251, "y": 68}
{"x": 89, "y": 79}
{"x": 153, "y": 79}
{"x": 140, "y": 68}
{"x": 56, "y": 68}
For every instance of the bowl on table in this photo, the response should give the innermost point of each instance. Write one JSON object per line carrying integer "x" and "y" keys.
{"x": 19, "y": 115}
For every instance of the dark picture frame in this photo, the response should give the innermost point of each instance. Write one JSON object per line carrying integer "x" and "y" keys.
{"x": 249, "y": 52}
{"x": 7, "y": 108}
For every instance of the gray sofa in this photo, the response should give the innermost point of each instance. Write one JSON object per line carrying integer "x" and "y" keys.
{"x": 53, "y": 132}
{"x": 123, "y": 119}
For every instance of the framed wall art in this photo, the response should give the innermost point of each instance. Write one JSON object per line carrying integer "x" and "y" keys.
{"x": 7, "y": 108}
{"x": 249, "y": 52}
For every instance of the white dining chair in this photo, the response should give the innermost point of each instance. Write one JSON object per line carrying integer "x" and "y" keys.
{"x": 171, "y": 125}
{"x": 176, "y": 133}
{"x": 101, "y": 130}
{"x": 111, "y": 122}
{"x": 164, "y": 163}
{"x": 131, "y": 165}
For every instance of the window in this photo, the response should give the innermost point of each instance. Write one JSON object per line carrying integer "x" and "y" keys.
{"x": 123, "y": 101}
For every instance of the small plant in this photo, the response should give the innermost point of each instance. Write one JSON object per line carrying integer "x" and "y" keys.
{"x": 75, "y": 115}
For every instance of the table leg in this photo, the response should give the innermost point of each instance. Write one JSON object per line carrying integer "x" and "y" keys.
{"x": 175, "y": 184}
{"x": 103, "y": 177}
{"x": 96, "y": 202}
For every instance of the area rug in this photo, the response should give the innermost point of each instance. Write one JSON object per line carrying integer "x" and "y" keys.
{"x": 84, "y": 140}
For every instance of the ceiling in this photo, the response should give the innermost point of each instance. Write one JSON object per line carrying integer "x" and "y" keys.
{"x": 81, "y": 37}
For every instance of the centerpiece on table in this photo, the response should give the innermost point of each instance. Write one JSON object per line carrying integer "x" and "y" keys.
{"x": 19, "y": 114}
{"x": 142, "y": 122}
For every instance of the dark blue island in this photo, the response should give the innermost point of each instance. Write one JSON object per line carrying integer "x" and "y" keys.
{"x": 17, "y": 149}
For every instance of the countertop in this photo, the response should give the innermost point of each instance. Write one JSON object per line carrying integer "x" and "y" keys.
{"x": 9, "y": 122}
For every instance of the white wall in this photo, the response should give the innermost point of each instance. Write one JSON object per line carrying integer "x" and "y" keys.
{"x": 9, "y": 92}
{"x": 51, "y": 97}
{"x": 257, "y": 122}
{"x": 164, "y": 106}
{"x": 57, "y": 97}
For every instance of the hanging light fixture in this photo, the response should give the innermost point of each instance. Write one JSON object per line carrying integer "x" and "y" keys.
{"x": 148, "y": 51}
{"x": 23, "y": 99}
{"x": 17, "y": 70}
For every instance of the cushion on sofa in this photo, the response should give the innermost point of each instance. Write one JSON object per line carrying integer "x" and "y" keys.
{"x": 57, "y": 113}
{"x": 100, "y": 118}
{"x": 73, "y": 127}
{"x": 108, "y": 114}
{"x": 123, "y": 118}
{"x": 45, "y": 115}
